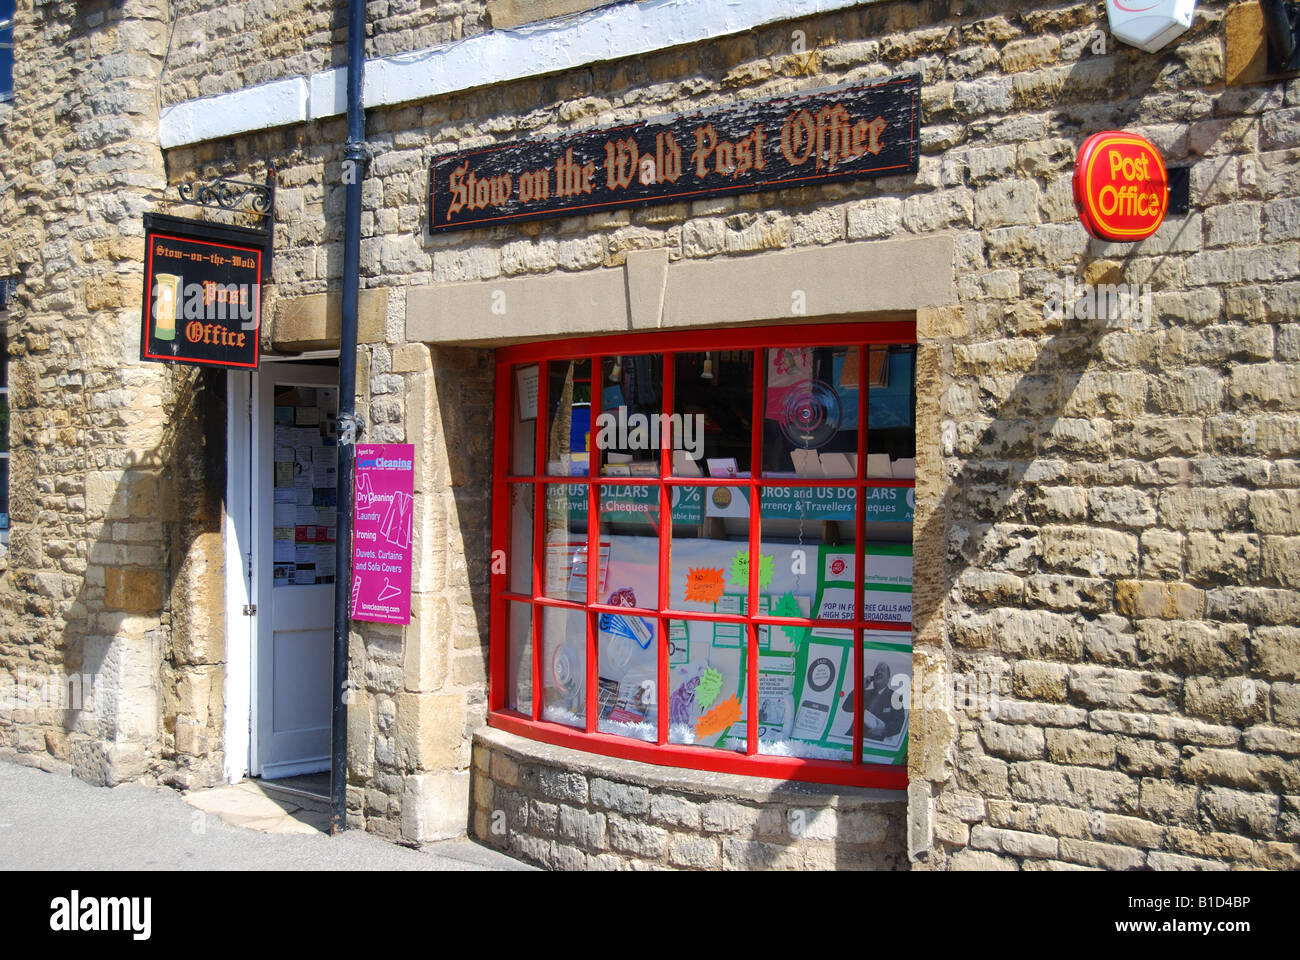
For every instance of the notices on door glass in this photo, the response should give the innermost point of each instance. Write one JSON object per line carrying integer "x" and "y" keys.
{"x": 306, "y": 485}
{"x": 381, "y": 542}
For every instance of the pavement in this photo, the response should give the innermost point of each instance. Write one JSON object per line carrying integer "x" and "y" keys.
{"x": 51, "y": 821}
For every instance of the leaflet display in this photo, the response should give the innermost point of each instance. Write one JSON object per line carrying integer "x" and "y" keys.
{"x": 805, "y": 683}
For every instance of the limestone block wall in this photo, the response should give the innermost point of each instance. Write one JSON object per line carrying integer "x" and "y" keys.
{"x": 217, "y": 46}
{"x": 104, "y": 635}
{"x": 566, "y": 810}
{"x": 421, "y": 690}
{"x": 1108, "y": 526}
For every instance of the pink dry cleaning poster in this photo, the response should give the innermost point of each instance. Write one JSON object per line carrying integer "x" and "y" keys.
{"x": 381, "y": 536}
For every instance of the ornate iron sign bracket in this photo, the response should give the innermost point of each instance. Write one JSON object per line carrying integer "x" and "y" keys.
{"x": 227, "y": 193}
{"x": 240, "y": 196}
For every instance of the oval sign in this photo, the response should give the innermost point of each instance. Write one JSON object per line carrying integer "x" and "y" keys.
{"x": 1121, "y": 188}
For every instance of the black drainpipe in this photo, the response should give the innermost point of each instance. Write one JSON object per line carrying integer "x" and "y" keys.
{"x": 354, "y": 163}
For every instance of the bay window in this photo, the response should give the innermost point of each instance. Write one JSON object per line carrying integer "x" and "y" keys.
{"x": 636, "y": 479}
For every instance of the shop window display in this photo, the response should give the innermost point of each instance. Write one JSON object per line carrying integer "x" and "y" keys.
{"x": 628, "y": 618}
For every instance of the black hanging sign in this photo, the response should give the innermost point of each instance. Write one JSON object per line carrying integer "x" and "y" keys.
{"x": 840, "y": 133}
{"x": 202, "y": 292}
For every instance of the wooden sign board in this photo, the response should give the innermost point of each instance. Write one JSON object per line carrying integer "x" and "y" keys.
{"x": 858, "y": 130}
{"x": 202, "y": 293}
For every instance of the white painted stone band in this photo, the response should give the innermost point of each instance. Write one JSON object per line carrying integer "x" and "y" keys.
{"x": 500, "y": 56}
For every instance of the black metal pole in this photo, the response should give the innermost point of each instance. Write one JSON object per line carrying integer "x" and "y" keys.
{"x": 354, "y": 164}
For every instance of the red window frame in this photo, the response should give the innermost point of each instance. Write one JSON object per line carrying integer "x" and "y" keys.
{"x": 853, "y": 772}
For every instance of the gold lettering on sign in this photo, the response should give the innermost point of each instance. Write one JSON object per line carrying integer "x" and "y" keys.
{"x": 469, "y": 192}
{"x": 831, "y": 137}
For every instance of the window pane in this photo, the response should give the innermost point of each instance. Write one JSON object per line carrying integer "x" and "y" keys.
{"x": 808, "y": 538}
{"x": 564, "y": 666}
{"x": 305, "y": 485}
{"x": 521, "y": 538}
{"x": 4, "y": 493}
{"x": 810, "y": 412}
{"x": 710, "y": 549}
{"x": 628, "y": 651}
{"x": 565, "y": 537}
{"x": 891, "y": 419}
{"x": 523, "y": 420}
{"x": 887, "y": 583}
{"x": 706, "y": 671}
{"x": 4, "y": 421}
{"x": 629, "y": 535}
{"x": 519, "y": 664}
{"x": 713, "y": 393}
{"x": 887, "y": 682}
{"x": 630, "y": 420}
{"x": 628, "y": 668}
{"x": 568, "y": 421}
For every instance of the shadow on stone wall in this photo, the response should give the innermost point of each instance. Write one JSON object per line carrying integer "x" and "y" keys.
{"x": 1034, "y": 413}
{"x": 148, "y": 625}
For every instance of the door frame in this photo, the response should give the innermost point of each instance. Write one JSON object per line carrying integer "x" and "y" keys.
{"x": 241, "y": 558}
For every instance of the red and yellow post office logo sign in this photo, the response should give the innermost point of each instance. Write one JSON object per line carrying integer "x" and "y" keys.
{"x": 1121, "y": 188}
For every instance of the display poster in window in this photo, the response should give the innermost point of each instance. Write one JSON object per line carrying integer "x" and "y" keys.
{"x": 805, "y": 683}
{"x": 383, "y": 532}
{"x": 870, "y": 128}
{"x": 202, "y": 298}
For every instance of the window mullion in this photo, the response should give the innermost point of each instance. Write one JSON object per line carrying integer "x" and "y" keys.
{"x": 666, "y": 404}
{"x": 540, "y": 491}
{"x": 860, "y": 551}
{"x": 593, "y": 546}
{"x": 755, "y": 559}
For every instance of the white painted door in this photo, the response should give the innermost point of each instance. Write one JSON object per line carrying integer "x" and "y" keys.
{"x": 294, "y": 509}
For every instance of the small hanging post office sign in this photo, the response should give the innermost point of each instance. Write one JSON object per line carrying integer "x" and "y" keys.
{"x": 202, "y": 293}
{"x": 858, "y": 130}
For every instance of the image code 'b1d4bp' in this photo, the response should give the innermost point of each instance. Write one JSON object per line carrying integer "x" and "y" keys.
{"x": 848, "y": 132}
{"x": 202, "y": 293}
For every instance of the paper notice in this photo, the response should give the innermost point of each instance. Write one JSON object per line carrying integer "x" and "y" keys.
{"x": 325, "y": 560}
{"x": 526, "y": 391}
{"x": 285, "y": 514}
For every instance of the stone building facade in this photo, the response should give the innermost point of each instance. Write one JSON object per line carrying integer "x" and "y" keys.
{"x": 1107, "y": 525}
